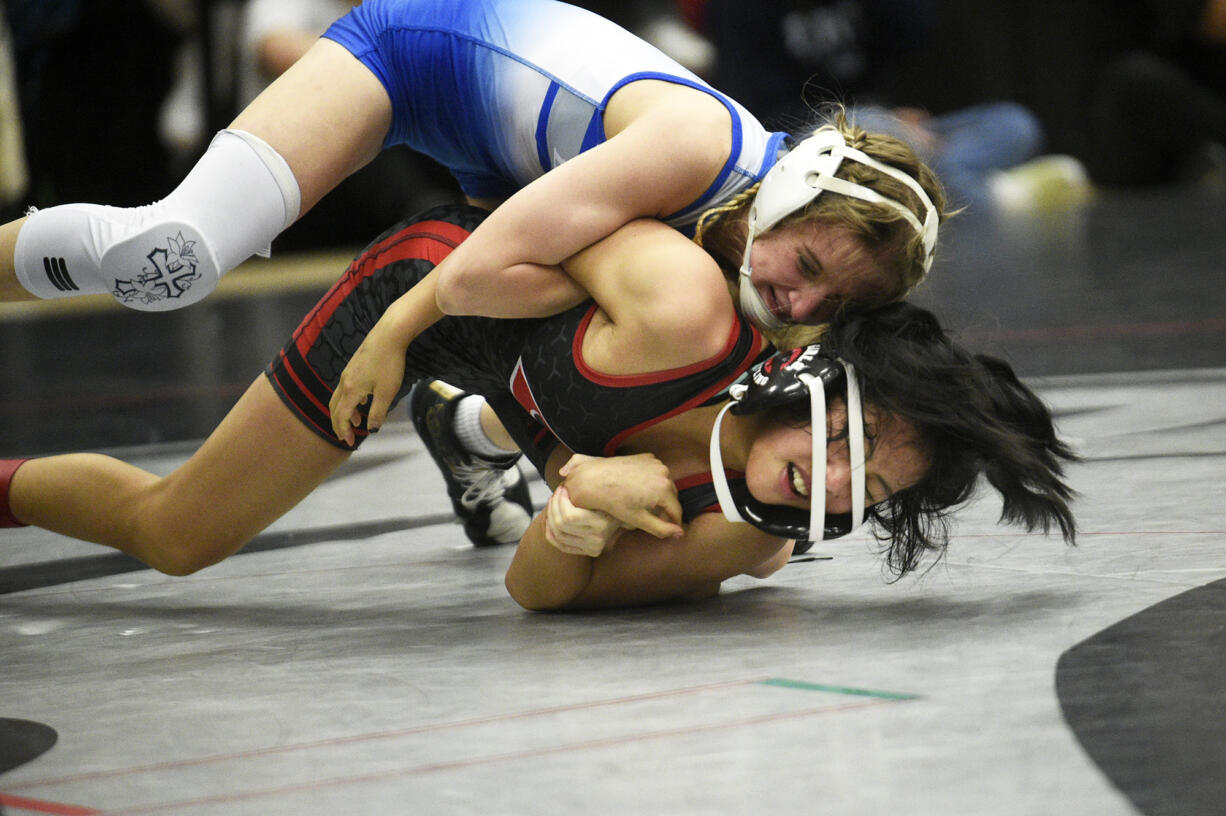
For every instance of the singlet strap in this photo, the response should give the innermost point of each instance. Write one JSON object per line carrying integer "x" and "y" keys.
{"x": 697, "y": 493}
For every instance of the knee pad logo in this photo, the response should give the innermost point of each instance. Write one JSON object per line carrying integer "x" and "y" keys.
{"x": 170, "y": 273}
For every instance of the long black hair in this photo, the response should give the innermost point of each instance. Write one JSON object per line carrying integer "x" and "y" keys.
{"x": 975, "y": 418}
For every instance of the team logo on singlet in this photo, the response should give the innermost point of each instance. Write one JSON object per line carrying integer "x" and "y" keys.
{"x": 170, "y": 273}
{"x": 524, "y": 396}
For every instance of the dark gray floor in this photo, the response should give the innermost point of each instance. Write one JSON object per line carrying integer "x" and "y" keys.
{"x": 361, "y": 658}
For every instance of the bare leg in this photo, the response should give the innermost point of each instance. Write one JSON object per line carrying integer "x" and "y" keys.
{"x": 257, "y": 464}
{"x": 10, "y": 289}
{"x": 495, "y": 431}
{"x": 327, "y": 116}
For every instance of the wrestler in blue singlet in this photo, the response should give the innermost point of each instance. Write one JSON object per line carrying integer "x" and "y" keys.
{"x": 502, "y": 91}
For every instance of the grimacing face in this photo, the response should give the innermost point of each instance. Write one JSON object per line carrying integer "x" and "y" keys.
{"x": 779, "y": 467}
{"x": 806, "y": 271}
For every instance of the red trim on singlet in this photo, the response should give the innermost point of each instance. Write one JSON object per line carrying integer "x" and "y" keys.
{"x": 288, "y": 399}
{"x": 521, "y": 390}
{"x": 702, "y": 479}
{"x": 359, "y": 433}
{"x": 655, "y": 377}
{"x": 428, "y": 240}
{"x": 699, "y": 479}
{"x": 698, "y": 399}
{"x": 8, "y": 468}
{"x": 306, "y": 392}
{"x": 651, "y": 377}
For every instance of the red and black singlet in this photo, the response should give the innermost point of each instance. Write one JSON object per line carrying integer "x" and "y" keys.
{"x": 531, "y": 371}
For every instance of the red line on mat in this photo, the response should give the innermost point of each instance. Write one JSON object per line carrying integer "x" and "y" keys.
{"x": 466, "y": 763}
{"x": 379, "y": 735}
{"x": 39, "y": 806}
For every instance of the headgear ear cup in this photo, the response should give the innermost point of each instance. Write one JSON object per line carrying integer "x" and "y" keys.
{"x": 784, "y": 378}
{"x": 800, "y": 176}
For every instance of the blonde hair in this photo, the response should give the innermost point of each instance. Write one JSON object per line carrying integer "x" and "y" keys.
{"x": 893, "y": 243}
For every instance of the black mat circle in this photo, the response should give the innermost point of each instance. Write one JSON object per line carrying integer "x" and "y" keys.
{"x": 1147, "y": 699}
{"x": 22, "y": 741}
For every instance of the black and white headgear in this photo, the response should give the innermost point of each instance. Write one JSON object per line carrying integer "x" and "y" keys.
{"x": 800, "y": 176}
{"x": 784, "y": 378}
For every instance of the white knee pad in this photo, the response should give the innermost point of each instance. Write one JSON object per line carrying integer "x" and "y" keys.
{"x": 169, "y": 254}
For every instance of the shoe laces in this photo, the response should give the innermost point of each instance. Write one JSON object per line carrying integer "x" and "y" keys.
{"x": 482, "y": 484}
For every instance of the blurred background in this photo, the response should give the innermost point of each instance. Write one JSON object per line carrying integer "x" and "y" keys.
{"x": 112, "y": 102}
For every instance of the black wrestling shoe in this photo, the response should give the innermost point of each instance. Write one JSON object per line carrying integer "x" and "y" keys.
{"x": 490, "y": 497}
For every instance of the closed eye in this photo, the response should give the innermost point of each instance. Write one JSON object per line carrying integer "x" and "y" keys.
{"x": 808, "y": 264}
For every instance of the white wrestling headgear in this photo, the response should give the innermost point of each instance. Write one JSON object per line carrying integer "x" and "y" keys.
{"x": 800, "y": 176}
{"x": 784, "y": 378}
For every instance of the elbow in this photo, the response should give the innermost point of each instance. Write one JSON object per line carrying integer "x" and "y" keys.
{"x": 766, "y": 569}
{"x": 453, "y": 294}
{"x": 524, "y": 595}
{"x": 773, "y": 564}
{"x": 446, "y": 296}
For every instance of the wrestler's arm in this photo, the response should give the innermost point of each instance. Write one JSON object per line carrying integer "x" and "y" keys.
{"x": 376, "y": 369}
{"x": 665, "y": 301}
{"x": 661, "y": 157}
{"x": 640, "y": 570}
{"x": 773, "y": 564}
{"x": 589, "y": 513}
{"x": 561, "y": 239}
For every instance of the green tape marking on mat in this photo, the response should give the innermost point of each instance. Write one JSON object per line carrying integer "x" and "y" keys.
{"x": 798, "y": 684}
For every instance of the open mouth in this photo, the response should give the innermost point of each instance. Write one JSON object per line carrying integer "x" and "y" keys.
{"x": 798, "y": 481}
{"x": 778, "y": 307}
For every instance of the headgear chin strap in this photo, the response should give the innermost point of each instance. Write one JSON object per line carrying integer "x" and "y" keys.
{"x": 784, "y": 378}
{"x": 799, "y": 177}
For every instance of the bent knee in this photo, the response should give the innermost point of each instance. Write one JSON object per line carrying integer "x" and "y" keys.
{"x": 181, "y": 552}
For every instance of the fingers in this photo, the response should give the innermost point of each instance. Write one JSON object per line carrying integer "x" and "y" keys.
{"x": 343, "y": 408}
{"x": 555, "y": 531}
{"x": 656, "y": 526}
{"x": 573, "y": 462}
{"x": 352, "y": 392}
{"x": 355, "y": 421}
{"x": 576, "y": 531}
{"x": 341, "y": 413}
{"x": 380, "y": 402}
{"x": 670, "y": 505}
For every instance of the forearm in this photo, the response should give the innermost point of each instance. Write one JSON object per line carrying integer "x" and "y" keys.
{"x": 542, "y": 577}
{"x": 413, "y": 312}
{"x": 521, "y": 290}
{"x": 517, "y": 251}
{"x": 375, "y": 372}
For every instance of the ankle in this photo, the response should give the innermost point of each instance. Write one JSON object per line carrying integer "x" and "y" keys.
{"x": 466, "y": 423}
